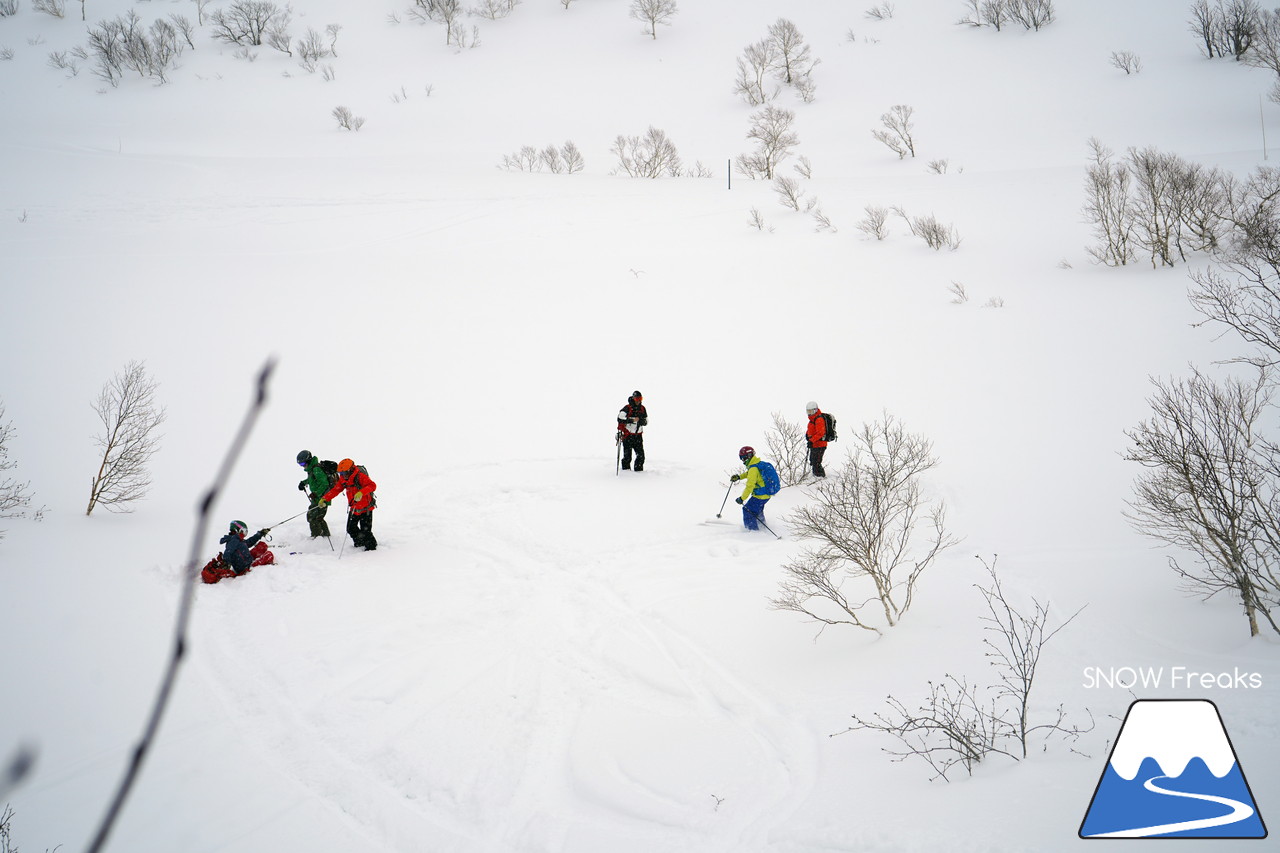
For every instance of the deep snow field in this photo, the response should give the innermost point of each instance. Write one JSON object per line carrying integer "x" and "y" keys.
{"x": 542, "y": 655}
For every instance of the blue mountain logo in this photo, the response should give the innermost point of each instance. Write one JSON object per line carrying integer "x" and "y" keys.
{"x": 1173, "y": 773}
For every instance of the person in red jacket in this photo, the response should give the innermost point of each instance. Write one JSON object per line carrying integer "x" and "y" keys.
{"x": 359, "y": 488}
{"x": 815, "y": 436}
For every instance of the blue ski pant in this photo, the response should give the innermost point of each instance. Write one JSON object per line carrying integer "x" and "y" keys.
{"x": 752, "y": 510}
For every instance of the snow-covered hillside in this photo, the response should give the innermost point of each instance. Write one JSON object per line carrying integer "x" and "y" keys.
{"x": 542, "y": 655}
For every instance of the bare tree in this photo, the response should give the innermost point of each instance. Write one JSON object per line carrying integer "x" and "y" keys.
{"x": 755, "y": 64}
{"x": 246, "y": 22}
{"x": 868, "y": 522}
{"x": 1244, "y": 293}
{"x": 794, "y": 57}
{"x": 897, "y": 132}
{"x": 495, "y": 9}
{"x": 1032, "y": 14}
{"x": 789, "y": 191}
{"x": 771, "y": 129}
{"x": 130, "y": 416}
{"x": 652, "y": 13}
{"x": 1127, "y": 61}
{"x": 786, "y": 440}
{"x": 53, "y": 8}
{"x": 1202, "y": 486}
{"x": 1204, "y": 24}
{"x": 653, "y": 155}
{"x": 15, "y": 496}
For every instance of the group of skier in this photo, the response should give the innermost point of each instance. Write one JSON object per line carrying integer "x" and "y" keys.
{"x": 761, "y": 478}
{"x": 324, "y": 481}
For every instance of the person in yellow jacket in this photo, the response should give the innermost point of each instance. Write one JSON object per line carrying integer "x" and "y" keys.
{"x": 762, "y": 483}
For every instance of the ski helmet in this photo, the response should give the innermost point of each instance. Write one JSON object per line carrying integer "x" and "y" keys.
{"x": 304, "y": 456}
{"x": 746, "y": 452}
{"x": 346, "y": 465}
{"x": 239, "y": 527}
{"x": 811, "y": 407}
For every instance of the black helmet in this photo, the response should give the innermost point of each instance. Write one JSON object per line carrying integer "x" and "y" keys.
{"x": 304, "y": 456}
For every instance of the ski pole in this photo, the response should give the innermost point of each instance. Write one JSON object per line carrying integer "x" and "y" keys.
{"x": 617, "y": 464}
{"x": 292, "y": 517}
{"x": 345, "y": 536}
{"x": 726, "y": 499}
{"x": 760, "y": 518}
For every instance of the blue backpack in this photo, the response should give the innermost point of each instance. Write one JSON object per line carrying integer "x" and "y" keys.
{"x": 772, "y": 483}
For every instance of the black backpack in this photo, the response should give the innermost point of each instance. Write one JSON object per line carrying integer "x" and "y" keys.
{"x": 330, "y": 469}
{"x": 831, "y": 427}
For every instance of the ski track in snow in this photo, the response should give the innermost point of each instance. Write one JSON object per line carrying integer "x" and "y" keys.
{"x": 551, "y": 670}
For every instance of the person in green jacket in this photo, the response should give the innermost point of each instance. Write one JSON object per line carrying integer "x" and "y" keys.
{"x": 314, "y": 486}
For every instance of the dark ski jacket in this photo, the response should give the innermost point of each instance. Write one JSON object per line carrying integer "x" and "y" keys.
{"x": 235, "y": 551}
{"x": 633, "y": 418}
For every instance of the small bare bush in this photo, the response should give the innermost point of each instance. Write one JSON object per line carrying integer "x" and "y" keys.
{"x": 654, "y": 12}
{"x": 874, "y": 223}
{"x": 897, "y": 133}
{"x": 938, "y": 167}
{"x": 959, "y": 295}
{"x": 756, "y": 220}
{"x": 935, "y": 235}
{"x": 346, "y": 119}
{"x": 653, "y": 155}
{"x": 127, "y": 408}
{"x": 8, "y": 8}
{"x": 1127, "y": 61}
{"x": 789, "y": 191}
{"x": 883, "y": 12}
{"x": 54, "y": 8}
{"x": 495, "y": 9}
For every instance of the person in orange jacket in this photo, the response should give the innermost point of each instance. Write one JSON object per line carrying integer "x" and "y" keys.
{"x": 360, "y": 500}
{"x": 815, "y": 436}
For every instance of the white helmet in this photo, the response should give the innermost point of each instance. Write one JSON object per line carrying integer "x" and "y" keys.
{"x": 811, "y": 407}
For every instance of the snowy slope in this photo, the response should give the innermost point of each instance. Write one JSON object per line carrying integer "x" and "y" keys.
{"x": 542, "y": 655}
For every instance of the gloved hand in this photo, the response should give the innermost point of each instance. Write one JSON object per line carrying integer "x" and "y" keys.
{"x": 738, "y": 501}
{"x": 322, "y": 503}
{"x": 359, "y": 496}
{"x": 302, "y": 486}
{"x": 264, "y": 531}
{"x": 735, "y": 478}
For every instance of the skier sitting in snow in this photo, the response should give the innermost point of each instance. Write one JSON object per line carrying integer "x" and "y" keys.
{"x": 235, "y": 548}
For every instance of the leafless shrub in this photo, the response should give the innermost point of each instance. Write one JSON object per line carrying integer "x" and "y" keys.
{"x": 821, "y": 222}
{"x": 346, "y": 119}
{"x": 789, "y": 191}
{"x": 874, "y": 222}
{"x": 699, "y": 170}
{"x": 64, "y": 61}
{"x": 495, "y": 9}
{"x": 311, "y": 49}
{"x": 961, "y": 724}
{"x": 754, "y": 66}
{"x": 1032, "y": 14}
{"x": 653, "y": 155}
{"x": 994, "y": 302}
{"x": 867, "y": 522}
{"x": 1108, "y": 207}
{"x": 959, "y": 295}
{"x": 652, "y": 13}
{"x": 524, "y": 160}
{"x": 6, "y": 54}
{"x": 757, "y": 220}
{"x": 938, "y": 167}
{"x": 53, "y": 8}
{"x": 789, "y": 450}
{"x": 8, "y": 8}
{"x": 1227, "y": 28}
{"x": 328, "y": 75}
{"x": 182, "y": 25}
{"x": 123, "y": 44}
{"x": 883, "y": 12}
{"x": 1209, "y": 487}
{"x": 771, "y": 129}
{"x": 1127, "y": 61}
{"x": 897, "y": 133}
{"x": 15, "y": 496}
{"x": 130, "y": 416}
{"x": 935, "y": 235}
{"x": 804, "y": 168}
{"x": 806, "y": 89}
{"x": 247, "y": 22}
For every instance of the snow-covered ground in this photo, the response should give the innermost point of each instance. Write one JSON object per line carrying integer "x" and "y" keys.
{"x": 541, "y": 655}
